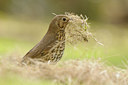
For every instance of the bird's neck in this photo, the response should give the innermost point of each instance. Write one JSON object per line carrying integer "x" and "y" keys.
{"x": 60, "y": 34}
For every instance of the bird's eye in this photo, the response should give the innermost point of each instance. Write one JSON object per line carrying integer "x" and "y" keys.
{"x": 64, "y": 19}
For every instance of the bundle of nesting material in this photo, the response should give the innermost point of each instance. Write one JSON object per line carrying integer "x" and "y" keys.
{"x": 77, "y": 29}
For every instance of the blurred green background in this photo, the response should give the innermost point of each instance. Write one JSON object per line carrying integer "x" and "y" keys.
{"x": 24, "y": 22}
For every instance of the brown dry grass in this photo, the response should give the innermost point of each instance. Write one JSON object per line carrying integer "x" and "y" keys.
{"x": 77, "y": 30}
{"x": 71, "y": 72}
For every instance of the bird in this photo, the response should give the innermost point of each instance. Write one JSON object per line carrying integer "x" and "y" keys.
{"x": 52, "y": 45}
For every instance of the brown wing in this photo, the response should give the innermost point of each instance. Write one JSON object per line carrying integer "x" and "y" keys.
{"x": 44, "y": 45}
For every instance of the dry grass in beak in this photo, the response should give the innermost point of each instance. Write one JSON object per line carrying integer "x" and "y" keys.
{"x": 77, "y": 29}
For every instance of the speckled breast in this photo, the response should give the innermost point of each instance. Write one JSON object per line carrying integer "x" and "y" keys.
{"x": 57, "y": 50}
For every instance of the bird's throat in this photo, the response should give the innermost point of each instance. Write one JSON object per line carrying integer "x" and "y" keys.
{"x": 60, "y": 35}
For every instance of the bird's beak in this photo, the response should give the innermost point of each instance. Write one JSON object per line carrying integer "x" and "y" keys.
{"x": 70, "y": 19}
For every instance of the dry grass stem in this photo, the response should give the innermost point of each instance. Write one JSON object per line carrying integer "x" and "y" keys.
{"x": 78, "y": 29}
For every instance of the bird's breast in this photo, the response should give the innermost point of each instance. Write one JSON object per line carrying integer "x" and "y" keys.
{"x": 56, "y": 49}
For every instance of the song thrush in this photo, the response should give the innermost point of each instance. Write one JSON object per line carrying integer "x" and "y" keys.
{"x": 52, "y": 46}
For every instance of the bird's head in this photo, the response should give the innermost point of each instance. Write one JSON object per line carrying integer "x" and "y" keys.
{"x": 59, "y": 22}
{"x": 62, "y": 21}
